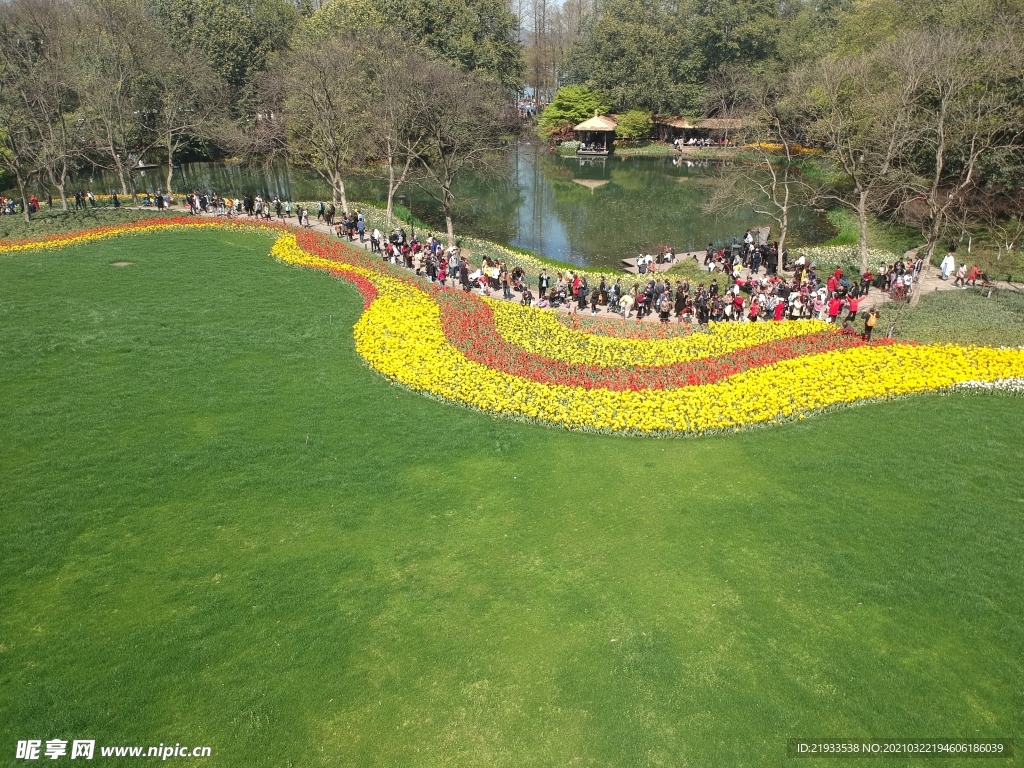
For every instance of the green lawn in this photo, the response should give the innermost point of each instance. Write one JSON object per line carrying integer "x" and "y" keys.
{"x": 217, "y": 527}
{"x": 52, "y": 220}
{"x": 970, "y": 316}
{"x": 881, "y": 234}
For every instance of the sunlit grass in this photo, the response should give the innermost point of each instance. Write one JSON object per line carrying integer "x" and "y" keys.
{"x": 881, "y": 235}
{"x": 218, "y": 527}
{"x": 51, "y": 220}
{"x": 971, "y": 316}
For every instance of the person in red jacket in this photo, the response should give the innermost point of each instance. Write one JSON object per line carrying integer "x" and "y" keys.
{"x": 852, "y": 304}
{"x": 834, "y": 305}
{"x": 754, "y": 311}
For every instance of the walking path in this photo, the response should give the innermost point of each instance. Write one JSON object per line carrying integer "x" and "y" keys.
{"x": 931, "y": 278}
{"x": 930, "y": 282}
{"x": 566, "y": 309}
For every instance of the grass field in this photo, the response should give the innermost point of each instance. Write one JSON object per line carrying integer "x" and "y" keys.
{"x": 971, "y": 316}
{"x": 219, "y": 528}
{"x": 881, "y": 234}
{"x": 53, "y": 220}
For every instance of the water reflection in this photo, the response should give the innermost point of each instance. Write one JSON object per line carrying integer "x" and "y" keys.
{"x": 586, "y": 211}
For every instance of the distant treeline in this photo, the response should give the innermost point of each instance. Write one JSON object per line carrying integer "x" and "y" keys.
{"x": 414, "y": 89}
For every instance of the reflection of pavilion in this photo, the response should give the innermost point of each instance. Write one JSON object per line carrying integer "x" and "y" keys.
{"x": 591, "y": 184}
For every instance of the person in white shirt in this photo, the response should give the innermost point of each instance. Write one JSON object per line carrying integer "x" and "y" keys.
{"x": 948, "y": 266}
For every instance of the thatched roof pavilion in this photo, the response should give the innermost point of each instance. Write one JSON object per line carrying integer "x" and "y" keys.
{"x": 596, "y": 135}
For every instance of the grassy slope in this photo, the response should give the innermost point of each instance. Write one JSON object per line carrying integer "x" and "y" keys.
{"x": 960, "y": 317}
{"x": 218, "y": 528}
{"x": 694, "y": 271}
{"x": 882, "y": 235}
{"x": 997, "y": 263}
{"x": 50, "y": 221}
{"x": 643, "y": 149}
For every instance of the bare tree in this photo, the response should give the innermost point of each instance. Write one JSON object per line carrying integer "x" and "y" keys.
{"x": 396, "y": 122}
{"x": 549, "y": 30}
{"x": 774, "y": 184}
{"x": 733, "y": 90}
{"x": 1000, "y": 211}
{"x": 23, "y": 55}
{"x": 116, "y": 89}
{"x": 959, "y": 115}
{"x": 262, "y": 136}
{"x": 540, "y": 53}
{"x": 190, "y": 98}
{"x": 52, "y": 25}
{"x": 326, "y": 111}
{"x": 19, "y": 153}
{"x": 865, "y": 120}
{"x": 460, "y": 118}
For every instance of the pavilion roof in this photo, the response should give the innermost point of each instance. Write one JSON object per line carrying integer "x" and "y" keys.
{"x": 674, "y": 122}
{"x": 598, "y": 123}
{"x": 720, "y": 123}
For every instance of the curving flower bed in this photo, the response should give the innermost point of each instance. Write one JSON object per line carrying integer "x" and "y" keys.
{"x": 518, "y": 362}
{"x": 469, "y": 325}
{"x": 541, "y": 332}
{"x": 613, "y": 326}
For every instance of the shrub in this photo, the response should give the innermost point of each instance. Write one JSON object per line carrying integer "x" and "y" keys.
{"x": 572, "y": 105}
{"x": 635, "y": 124}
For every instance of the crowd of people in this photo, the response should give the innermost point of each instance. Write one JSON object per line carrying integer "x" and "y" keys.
{"x": 740, "y": 261}
{"x": 963, "y": 275}
{"x": 10, "y": 206}
{"x": 742, "y": 296}
{"x": 257, "y": 207}
{"x": 697, "y": 141}
{"x": 735, "y": 291}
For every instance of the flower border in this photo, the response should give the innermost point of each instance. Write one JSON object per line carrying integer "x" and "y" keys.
{"x": 402, "y": 334}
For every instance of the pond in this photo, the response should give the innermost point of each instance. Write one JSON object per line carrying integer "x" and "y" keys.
{"x": 585, "y": 211}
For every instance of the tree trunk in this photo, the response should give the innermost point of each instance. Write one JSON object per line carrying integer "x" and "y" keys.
{"x": 120, "y": 171}
{"x": 783, "y": 231}
{"x": 60, "y": 181}
{"x": 344, "y": 198}
{"x": 170, "y": 163}
{"x": 783, "y": 219}
{"x": 447, "y": 205}
{"x": 134, "y": 194}
{"x": 451, "y": 229}
{"x": 862, "y": 218}
{"x": 934, "y": 234}
{"x": 391, "y": 194}
{"x": 915, "y": 291}
{"x": 24, "y": 200}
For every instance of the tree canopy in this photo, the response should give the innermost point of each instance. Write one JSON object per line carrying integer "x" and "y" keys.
{"x": 572, "y": 105}
{"x": 475, "y": 35}
{"x": 236, "y": 38}
{"x": 634, "y": 124}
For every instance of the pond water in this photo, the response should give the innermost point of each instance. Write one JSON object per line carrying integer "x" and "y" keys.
{"x": 584, "y": 211}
